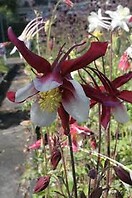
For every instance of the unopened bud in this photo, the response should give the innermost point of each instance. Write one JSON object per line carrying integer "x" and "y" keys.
{"x": 41, "y": 184}
{"x": 123, "y": 175}
{"x": 97, "y": 192}
{"x": 55, "y": 158}
{"x": 92, "y": 173}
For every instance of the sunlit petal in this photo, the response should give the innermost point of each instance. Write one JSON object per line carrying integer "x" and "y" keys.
{"x": 23, "y": 93}
{"x": 41, "y": 117}
{"x": 48, "y": 82}
{"x": 76, "y": 104}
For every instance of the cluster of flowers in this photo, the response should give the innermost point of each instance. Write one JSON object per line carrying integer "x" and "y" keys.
{"x": 55, "y": 92}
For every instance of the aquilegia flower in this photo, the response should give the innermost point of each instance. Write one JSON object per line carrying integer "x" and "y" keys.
{"x": 125, "y": 60}
{"x": 31, "y": 29}
{"x": 98, "y": 22}
{"x": 120, "y": 18}
{"x": 110, "y": 97}
{"x": 53, "y": 88}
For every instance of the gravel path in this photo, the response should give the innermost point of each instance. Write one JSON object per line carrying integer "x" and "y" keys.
{"x": 12, "y": 142}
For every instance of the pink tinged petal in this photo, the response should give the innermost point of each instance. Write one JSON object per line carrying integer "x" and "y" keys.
{"x": 35, "y": 61}
{"x": 48, "y": 82}
{"x": 120, "y": 113}
{"x": 76, "y": 103}
{"x": 124, "y": 63}
{"x": 121, "y": 80}
{"x": 41, "y": 117}
{"x": 96, "y": 50}
{"x": 36, "y": 145}
{"x": 126, "y": 95}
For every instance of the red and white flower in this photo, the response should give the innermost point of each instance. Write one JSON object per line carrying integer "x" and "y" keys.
{"x": 54, "y": 89}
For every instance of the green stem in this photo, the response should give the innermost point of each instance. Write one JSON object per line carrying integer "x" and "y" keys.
{"x": 73, "y": 165}
{"x": 65, "y": 171}
{"x": 50, "y": 25}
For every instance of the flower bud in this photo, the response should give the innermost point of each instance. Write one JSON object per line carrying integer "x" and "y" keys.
{"x": 41, "y": 184}
{"x": 92, "y": 173}
{"x": 123, "y": 175}
{"x": 55, "y": 158}
{"x": 97, "y": 192}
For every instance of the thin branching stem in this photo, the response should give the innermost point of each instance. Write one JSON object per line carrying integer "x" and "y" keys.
{"x": 73, "y": 165}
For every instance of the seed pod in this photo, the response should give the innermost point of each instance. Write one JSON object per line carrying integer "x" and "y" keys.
{"x": 123, "y": 175}
{"x": 41, "y": 184}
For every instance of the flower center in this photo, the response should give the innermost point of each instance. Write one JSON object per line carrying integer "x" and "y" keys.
{"x": 50, "y": 100}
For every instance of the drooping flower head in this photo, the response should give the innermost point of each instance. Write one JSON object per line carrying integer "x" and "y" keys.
{"x": 126, "y": 59}
{"x": 54, "y": 89}
{"x": 110, "y": 97}
{"x": 31, "y": 29}
{"x": 98, "y": 22}
{"x": 120, "y": 18}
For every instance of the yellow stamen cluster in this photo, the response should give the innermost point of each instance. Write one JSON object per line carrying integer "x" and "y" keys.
{"x": 50, "y": 100}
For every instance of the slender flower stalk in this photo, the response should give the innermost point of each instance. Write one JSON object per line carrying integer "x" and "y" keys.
{"x": 73, "y": 165}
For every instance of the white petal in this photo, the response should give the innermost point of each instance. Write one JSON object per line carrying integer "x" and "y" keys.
{"x": 48, "y": 82}
{"x": 77, "y": 106}
{"x": 120, "y": 113}
{"x": 40, "y": 117}
{"x": 25, "y": 92}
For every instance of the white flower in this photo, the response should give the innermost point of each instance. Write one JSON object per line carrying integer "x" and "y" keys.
{"x": 31, "y": 29}
{"x": 120, "y": 18}
{"x": 97, "y": 21}
{"x": 129, "y": 51}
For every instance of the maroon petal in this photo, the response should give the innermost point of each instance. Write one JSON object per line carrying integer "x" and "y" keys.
{"x": 121, "y": 80}
{"x": 35, "y": 61}
{"x": 94, "y": 94}
{"x": 105, "y": 117}
{"x": 96, "y": 50}
{"x": 126, "y": 95}
{"x": 64, "y": 116}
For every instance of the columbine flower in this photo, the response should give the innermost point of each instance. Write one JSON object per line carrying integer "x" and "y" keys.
{"x": 41, "y": 184}
{"x": 97, "y": 21}
{"x": 31, "y": 29}
{"x": 54, "y": 88}
{"x": 78, "y": 133}
{"x": 110, "y": 97}
{"x": 125, "y": 60}
{"x": 120, "y": 17}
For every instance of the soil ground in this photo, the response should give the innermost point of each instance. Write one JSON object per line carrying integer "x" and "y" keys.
{"x": 12, "y": 140}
